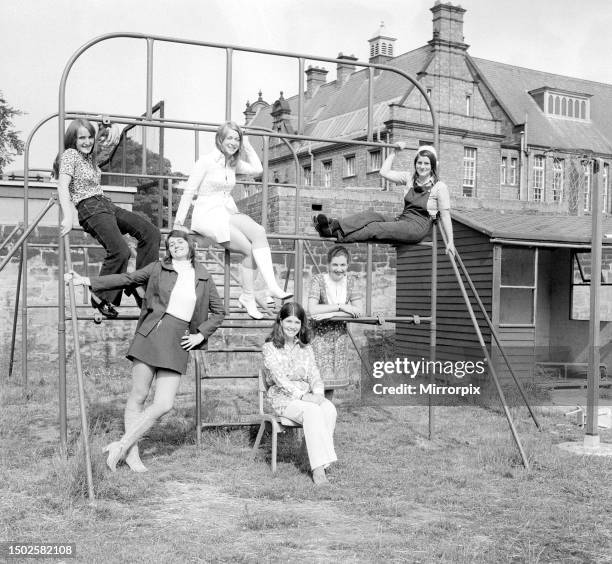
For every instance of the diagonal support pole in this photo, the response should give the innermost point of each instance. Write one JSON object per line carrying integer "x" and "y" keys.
{"x": 16, "y": 314}
{"x": 498, "y": 387}
{"x": 27, "y": 232}
{"x": 77, "y": 357}
{"x": 497, "y": 340}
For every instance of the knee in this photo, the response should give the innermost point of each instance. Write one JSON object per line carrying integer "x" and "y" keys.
{"x": 138, "y": 396}
{"x": 259, "y": 232}
{"x": 329, "y": 408}
{"x": 121, "y": 252}
{"x": 162, "y": 406}
{"x": 151, "y": 235}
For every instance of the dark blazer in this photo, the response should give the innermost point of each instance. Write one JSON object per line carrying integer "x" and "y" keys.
{"x": 160, "y": 279}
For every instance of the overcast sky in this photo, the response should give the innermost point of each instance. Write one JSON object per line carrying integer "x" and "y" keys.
{"x": 37, "y": 37}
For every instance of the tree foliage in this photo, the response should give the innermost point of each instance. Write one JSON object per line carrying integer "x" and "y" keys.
{"x": 128, "y": 158}
{"x": 10, "y": 144}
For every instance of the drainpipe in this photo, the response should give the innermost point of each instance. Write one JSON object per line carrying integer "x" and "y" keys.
{"x": 312, "y": 169}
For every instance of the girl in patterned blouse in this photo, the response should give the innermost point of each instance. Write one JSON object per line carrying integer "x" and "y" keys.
{"x": 295, "y": 387}
{"x": 78, "y": 182}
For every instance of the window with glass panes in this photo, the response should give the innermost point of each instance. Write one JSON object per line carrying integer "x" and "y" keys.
{"x": 503, "y": 171}
{"x": 538, "y": 178}
{"x": 469, "y": 171}
{"x": 349, "y": 165}
{"x": 327, "y": 173}
{"x": 558, "y": 179}
{"x": 374, "y": 160}
{"x": 307, "y": 175}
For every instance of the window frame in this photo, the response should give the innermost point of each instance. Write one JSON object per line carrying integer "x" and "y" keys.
{"x": 470, "y": 164}
{"x": 538, "y": 178}
{"x": 326, "y": 173}
{"x": 349, "y": 168}
{"x": 532, "y": 287}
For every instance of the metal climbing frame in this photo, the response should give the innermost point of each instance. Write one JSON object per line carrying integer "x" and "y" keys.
{"x": 149, "y": 121}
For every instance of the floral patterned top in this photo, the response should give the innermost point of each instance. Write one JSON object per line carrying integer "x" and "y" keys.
{"x": 319, "y": 291}
{"x": 85, "y": 176}
{"x": 290, "y": 373}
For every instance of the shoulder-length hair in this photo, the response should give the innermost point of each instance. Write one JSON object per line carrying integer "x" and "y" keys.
{"x": 432, "y": 160}
{"x": 70, "y": 141}
{"x": 179, "y": 233}
{"x": 222, "y": 132}
{"x": 277, "y": 337}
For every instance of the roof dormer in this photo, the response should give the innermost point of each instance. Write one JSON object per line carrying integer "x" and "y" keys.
{"x": 555, "y": 102}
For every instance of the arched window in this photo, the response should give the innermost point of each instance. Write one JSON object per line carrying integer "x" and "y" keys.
{"x": 557, "y": 106}
{"x": 570, "y": 108}
{"x": 583, "y": 109}
{"x": 576, "y": 108}
{"x": 383, "y": 48}
{"x": 551, "y": 104}
{"x": 563, "y": 106}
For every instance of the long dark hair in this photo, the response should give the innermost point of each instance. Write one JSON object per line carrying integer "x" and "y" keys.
{"x": 179, "y": 233}
{"x": 222, "y": 133}
{"x": 278, "y": 337}
{"x": 432, "y": 160}
{"x": 70, "y": 140}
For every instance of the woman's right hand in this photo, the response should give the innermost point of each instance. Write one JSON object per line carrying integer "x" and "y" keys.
{"x": 313, "y": 398}
{"x": 66, "y": 225}
{"x": 76, "y": 279}
{"x": 399, "y": 146}
{"x": 180, "y": 227}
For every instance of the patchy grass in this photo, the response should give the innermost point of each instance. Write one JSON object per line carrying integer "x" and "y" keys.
{"x": 395, "y": 496}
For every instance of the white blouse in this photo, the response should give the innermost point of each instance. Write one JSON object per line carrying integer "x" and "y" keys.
{"x": 183, "y": 296}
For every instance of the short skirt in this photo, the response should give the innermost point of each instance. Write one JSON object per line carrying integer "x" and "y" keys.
{"x": 161, "y": 348}
{"x": 210, "y": 216}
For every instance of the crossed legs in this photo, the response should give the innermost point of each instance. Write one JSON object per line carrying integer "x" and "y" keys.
{"x": 138, "y": 420}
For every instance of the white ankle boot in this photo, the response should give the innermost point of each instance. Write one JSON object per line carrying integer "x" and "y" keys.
{"x": 132, "y": 457}
{"x": 247, "y": 298}
{"x": 263, "y": 258}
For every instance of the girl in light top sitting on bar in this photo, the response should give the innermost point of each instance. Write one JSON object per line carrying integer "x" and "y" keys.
{"x": 216, "y": 216}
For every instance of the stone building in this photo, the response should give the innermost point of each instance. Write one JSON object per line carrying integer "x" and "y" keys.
{"x": 511, "y": 137}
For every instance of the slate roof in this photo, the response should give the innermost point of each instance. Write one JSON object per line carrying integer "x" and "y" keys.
{"x": 341, "y": 111}
{"x": 511, "y": 85}
{"x": 525, "y": 227}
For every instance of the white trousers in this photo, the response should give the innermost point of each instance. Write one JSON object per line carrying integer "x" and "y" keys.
{"x": 319, "y": 422}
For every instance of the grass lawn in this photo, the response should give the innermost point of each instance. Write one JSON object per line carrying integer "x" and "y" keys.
{"x": 395, "y": 495}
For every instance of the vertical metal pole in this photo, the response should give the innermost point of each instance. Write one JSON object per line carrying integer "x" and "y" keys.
{"x": 265, "y": 156}
{"x": 300, "y": 97}
{"x": 299, "y": 266}
{"x": 198, "y": 389}
{"x": 170, "y": 203}
{"x": 149, "y": 102}
{"x": 17, "y": 292}
{"x": 592, "y": 437}
{"x": 228, "y": 84}
{"x": 433, "y": 323}
{"x": 226, "y": 280}
{"x": 369, "y": 280}
{"x": 81, "y": 388}
{"x": 370, "y": 103}
{"x": 196, "y": 146}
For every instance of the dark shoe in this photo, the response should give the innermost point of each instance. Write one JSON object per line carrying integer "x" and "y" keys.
{"x": 105, "y": 308}
{"x": 133, "y": 292}
{"x": 334, "y": 227}
{"x": 321, "y": 224}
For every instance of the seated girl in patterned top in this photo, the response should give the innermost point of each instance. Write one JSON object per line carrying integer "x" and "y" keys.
{"x": 296, "y": 389}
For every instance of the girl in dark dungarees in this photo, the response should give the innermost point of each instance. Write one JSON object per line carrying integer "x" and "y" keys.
{"x": 423, "y": 200}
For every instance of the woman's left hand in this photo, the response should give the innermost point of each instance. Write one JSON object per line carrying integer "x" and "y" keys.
{"x": 322, "y": 316}
{"x": 351, "y": 310}
{"x": 188, "y": 342}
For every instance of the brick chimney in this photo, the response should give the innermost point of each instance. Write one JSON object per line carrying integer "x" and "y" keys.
{"x": 345, "y": 68}
{"x": 315, "y": 77}
{"x": 448, "y": 25}
{"x": 381, "y": 46}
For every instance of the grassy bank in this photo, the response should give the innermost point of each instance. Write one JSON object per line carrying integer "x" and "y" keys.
{"x": 396, "y": 496}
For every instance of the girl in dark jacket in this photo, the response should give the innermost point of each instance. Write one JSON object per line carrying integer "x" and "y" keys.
{"x": 180, "y": 294}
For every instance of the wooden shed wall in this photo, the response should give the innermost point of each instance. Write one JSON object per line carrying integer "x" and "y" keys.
{"x": 456, "y": 337}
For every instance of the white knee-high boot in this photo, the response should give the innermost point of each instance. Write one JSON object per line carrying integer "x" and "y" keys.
{"x": 247, "y": 298}
{"x": 118, "y": 449}
{"x": 263, "y": 258}
{"x": 132, "y": 458}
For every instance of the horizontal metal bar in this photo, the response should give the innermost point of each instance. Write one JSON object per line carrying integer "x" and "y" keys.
{"x": 522, "y": 243}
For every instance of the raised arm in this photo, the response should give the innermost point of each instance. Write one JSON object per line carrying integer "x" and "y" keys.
{"x": 394, "y": 175}
{"x": 248, "y": 160}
